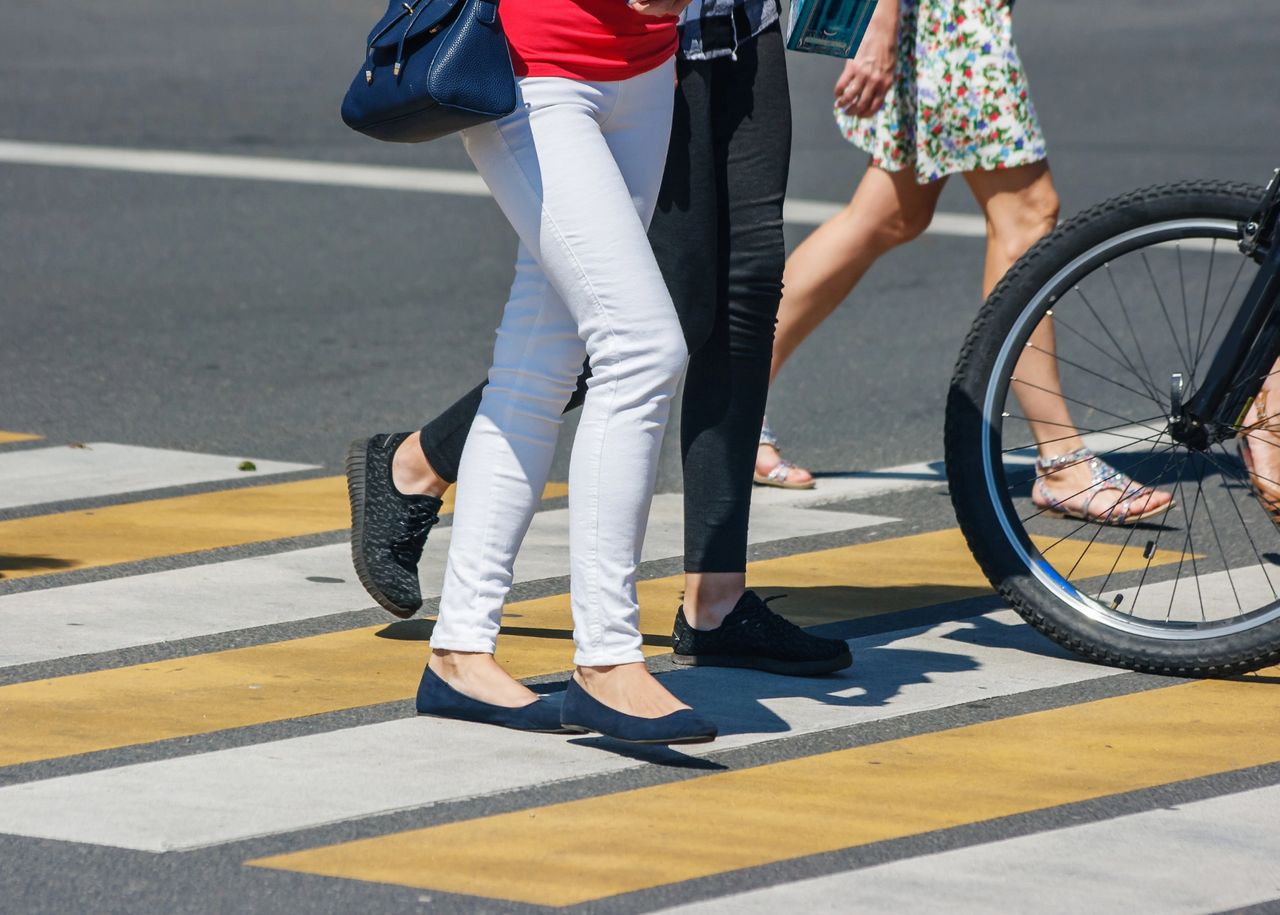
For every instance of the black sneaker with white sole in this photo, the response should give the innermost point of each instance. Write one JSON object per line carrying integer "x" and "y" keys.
{"x": 754, "y": 636}
{"x": 388, "y": 527}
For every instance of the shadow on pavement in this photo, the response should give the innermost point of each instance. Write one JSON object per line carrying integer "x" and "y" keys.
{"x": 10, "y": 562}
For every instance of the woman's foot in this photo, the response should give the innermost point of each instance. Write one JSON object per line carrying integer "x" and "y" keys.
{"x": 470, "y": 686}
{"x": 477, "y": 675}
{"x": 629, "y": 689}
{"x": 389, "y": 525}
{"x": 1260, "y": 451}
{"x": 626, "y": 703}
{"x": 1082, "y": 486}
{"x": 772, "y": 469}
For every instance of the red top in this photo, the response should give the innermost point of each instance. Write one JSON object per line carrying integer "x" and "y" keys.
{"x": 592, "y": 40}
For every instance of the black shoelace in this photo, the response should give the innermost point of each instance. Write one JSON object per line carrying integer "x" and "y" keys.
{"x": 758, "y": 621}
{"x": 413, "y": 526}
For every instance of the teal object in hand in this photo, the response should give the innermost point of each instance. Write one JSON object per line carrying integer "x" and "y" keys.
{"x": 833, "y": 27}
{"x": 432, "y": 67}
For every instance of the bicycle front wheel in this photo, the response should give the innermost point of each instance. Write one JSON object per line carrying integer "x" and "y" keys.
{"x": 1138, "y": 293}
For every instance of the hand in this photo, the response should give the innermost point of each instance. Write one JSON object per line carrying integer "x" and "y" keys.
{"x": 866, "y": 80}
{"x": 659, "y": 7}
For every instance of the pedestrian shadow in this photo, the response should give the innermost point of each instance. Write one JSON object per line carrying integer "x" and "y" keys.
{"x": 419, "y": 630}
{"x": 14, "y": 562}
{"x": 743, "y": 702}
{"x": 934, "y": 473}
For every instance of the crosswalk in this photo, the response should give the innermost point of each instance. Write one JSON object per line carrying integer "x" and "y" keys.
{"x": 188, "y": 667}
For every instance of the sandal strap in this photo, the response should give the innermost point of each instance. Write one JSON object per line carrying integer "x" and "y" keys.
{"x": 1266, "y": 422}
{"x": 780, "y": 471}
{"x": 767, "y": 437}
{"x": 1064, "y": 460}
{"x": 1102, "y": 477}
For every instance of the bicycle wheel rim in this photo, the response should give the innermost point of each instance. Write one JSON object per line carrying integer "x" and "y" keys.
{"x": 997, "y": 395}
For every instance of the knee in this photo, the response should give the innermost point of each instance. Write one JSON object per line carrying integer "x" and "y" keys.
{"x": 901, "y": 227}
{"x": 655, "y": 358}
{"x": 1034, "y": 218}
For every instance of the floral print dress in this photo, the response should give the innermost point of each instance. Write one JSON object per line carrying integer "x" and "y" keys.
{"x": 959, "y": 101}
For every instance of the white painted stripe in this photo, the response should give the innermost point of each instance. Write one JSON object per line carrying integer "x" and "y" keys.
{"x": 337, "y": 174}
{"x": 302, "y": 782}
{"x": 860, "y": 484}
{"x": 244, "y": 168}
{"x": 104, "y": 469}
{"x": 239, "y": 594}
{"x": 1206, "y": 856}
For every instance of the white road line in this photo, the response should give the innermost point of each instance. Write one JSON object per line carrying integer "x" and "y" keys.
{"x": 104, "y": 469}
{"x": 300, "y": 584}
{"x": 227, "y": 795}
{"x": 1221, "y": 855}
{"x": 245, "y": 168}
{"x": 859, "y": 484}
{"x": 337, "y": 174}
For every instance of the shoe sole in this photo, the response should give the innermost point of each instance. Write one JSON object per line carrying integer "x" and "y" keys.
{"x": 356, "y": 470}
{"x": 768, "y": 665}
{"x": 572, "y": 729}
{"x": 561, "y": 730}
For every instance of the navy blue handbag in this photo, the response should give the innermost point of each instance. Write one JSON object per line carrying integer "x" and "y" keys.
{"x": 432, "y": 67}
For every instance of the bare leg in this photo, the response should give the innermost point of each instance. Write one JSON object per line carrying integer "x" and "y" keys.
{"x": 411, "y": 472}
{"x": 1261, "y": 443}
{"x": 1021, "y": 206}
{"x": 887, "y": 209}
{"x": 710, "y": 596}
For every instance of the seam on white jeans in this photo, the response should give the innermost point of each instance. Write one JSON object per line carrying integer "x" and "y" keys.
{"x": 594, "y": 620}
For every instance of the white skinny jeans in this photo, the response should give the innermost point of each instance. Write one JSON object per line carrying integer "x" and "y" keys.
{"x": 576, "y": 169}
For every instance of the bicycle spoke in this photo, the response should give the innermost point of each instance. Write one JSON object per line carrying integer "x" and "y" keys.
{"x": 1111, "y": 476}
{"x": 1186, "y": 314}
{"x": 1222, "y": 308}
{"x": 1145, "y": 382}
{"x": 1076, "y": 365}
{"x": 1266, "y": 574}
{"x": 1186, "y": 357}
{"x": 1039, "y": 476}
{"x": 1187, "y": 544}
{"x": 1110, "y": 514}
{"x": 1226, "y": 564}
{"x": 1073, "y": 400}
{"x": 1148, "y": 383}
{"x": 1152, "y": 549}
{"x": 1128, "y": 321}
{"x": 1204, "y": 306}
{"x": 1103, "y": 429}
{"x": 1155, "y": 481}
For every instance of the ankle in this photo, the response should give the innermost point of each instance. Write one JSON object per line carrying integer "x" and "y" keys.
{"x": 710, "y": 597}
{"x": 412, "y": 473}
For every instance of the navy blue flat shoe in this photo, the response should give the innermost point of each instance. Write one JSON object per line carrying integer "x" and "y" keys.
{"x": 583, "y": 713}
{"x": 439, "y": 699}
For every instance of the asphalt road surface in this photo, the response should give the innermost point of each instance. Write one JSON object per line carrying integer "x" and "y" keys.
{"x": 201, "y": 712}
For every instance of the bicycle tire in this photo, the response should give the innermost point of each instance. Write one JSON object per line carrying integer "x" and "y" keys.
{"x": 966, "y": 435}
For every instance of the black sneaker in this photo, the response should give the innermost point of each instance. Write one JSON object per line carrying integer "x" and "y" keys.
{"x": 388, "y": 528}
{"x": 754, "y": 636}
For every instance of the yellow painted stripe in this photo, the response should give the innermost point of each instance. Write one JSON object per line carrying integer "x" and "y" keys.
{"x": 82, "y": 713}
{"x": 6, "y": 437}
{"x": 165, "y": 527}
{"x": 184, "y": 524}
{"x": 575, "y": 852}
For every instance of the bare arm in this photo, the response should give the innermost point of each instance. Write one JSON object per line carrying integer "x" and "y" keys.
{"x": 866, "y": 80}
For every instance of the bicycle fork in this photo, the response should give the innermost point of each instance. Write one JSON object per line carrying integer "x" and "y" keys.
{"x": 1250, "y": 348}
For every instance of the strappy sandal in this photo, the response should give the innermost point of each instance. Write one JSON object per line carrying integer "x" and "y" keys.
{"x": 1267, "y": 491}
{"x": 1103, "y": 477}
{"x": 782, "y": 470}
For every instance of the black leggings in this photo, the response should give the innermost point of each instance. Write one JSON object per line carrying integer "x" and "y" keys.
{"x": 717, "y": 235}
